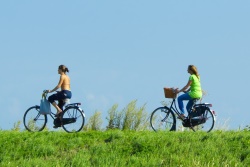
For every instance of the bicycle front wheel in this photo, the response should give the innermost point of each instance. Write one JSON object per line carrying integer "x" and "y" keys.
{"x": 33, "y": 120}
{"x": 208, "y": 120}
{"x": 163, "y": 119}
{"x": 73, "y": 119}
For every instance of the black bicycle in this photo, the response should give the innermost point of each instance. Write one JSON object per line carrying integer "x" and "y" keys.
{"x": 72, "y": 118}
{"x": 200, "y": 117}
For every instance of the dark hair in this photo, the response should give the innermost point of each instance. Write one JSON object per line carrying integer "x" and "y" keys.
{"x": 63, "y": 68}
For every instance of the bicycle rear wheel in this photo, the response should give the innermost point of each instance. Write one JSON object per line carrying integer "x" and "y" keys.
{"x": 208, "y": 120}
{"x": 33, "y": 120}
{"x": 163, "y": 119}
{"x": 73, "y": 119}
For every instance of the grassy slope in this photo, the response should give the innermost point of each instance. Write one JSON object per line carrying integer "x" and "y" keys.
{"x": 119, "y": 148}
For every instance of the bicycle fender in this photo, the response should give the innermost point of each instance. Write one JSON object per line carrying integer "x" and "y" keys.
{"x": 81, "y": 111}
{"x": 36, "y": 106}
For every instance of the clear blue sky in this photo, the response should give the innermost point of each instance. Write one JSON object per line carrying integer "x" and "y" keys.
{"x": 118, "y": 51}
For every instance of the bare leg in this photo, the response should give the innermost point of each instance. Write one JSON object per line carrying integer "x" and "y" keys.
{"x": 57, "y": 108}
{"x": 58, "y": 113}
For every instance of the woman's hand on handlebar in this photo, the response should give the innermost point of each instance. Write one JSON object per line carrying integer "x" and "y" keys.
{"x": 49, "y": 91}
{"x": 46, "y": 91}
{"x": 177, "y": 90}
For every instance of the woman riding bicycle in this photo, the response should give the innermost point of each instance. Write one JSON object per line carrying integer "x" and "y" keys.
{"x": 65, "y": 93}
{"x": 191, "y": 91}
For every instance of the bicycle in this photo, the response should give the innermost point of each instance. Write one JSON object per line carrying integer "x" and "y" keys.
{"x": 72, "y": 118}
{"x": 200, "y": 116}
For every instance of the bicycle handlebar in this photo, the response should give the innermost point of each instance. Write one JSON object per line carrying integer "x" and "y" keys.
{"x": 45, "y": 92}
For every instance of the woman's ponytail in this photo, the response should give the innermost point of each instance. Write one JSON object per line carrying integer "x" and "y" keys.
{"x": 63, "y": 68}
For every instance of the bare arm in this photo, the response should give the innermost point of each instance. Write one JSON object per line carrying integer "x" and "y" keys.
{"x": 185, "y": 91}
{"x": 185, "y": 87}
{"x": 58, "y": 85}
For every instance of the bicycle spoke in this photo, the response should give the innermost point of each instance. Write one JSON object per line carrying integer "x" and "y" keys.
{"x": 73, "y": 119}
{"x": 162, "y": 119}
{"x": 33, "y": 120}
{"x": 208, "y": 125}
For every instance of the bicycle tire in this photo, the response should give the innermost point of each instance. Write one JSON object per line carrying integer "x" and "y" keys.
{"x": 208, "y": 119}
{"x": 163, "y": 119}
{"x": 73, "y": 119}
{"x": 34, "y": 121}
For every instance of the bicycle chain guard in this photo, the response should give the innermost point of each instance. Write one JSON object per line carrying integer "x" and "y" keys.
{"x": 57, "y": 121}
{"x": 194, "y": 121}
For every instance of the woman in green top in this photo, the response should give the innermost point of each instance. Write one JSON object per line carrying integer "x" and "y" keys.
{"x": 192, "y": 90}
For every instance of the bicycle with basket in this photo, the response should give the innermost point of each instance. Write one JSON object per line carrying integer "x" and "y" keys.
{"x": 200, "y": 117}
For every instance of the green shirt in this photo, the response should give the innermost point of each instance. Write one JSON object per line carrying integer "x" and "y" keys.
{"x": 195, "y": 87}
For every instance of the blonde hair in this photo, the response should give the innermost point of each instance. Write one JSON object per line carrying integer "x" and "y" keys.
{"x": 194, "y": 70}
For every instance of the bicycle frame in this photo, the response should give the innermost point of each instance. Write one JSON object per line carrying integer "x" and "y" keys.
{"x": 174, "y": 108}
{"x": 52, "y": 115}
{"x": 34, "y": 120}
{"x": 200, "y": 117}
{"x": 188, "y": 118}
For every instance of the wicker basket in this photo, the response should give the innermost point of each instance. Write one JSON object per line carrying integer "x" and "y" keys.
{"x": 169, "y": 93}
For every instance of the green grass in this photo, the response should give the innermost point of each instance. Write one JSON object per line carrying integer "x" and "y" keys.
{"x": 125, "y": 148}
